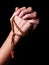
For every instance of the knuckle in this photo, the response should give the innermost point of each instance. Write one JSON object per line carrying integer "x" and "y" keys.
{"x": 22, "y": 12}
{"x": 38, "y": 21}
{"x": 27, "y": 15}
{"x": 23, "y": 7}
{"x": 16, "y": 8}
{"x": 19, "y": 10}
{"x": 30, "y": 8}
{"x": 35, "y": 12}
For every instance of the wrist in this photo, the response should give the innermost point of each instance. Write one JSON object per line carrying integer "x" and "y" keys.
{"x": 16, "y": 38}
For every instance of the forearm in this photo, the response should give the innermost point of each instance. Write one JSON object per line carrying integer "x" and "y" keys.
{"x": 6, "y": 47}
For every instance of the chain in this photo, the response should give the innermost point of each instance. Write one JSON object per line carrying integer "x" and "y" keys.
{"x": 13, "y": 36}
{"x": 12, "y": 42}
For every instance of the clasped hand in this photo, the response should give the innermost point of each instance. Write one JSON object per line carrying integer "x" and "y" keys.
{"x": 24, "y": 18}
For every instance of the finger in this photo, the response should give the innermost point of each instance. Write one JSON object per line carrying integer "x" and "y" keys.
{"x": 19, "y": 10}
{"x": 30, "y": 16}
{"x": 16, "y": 8}
{"x": 25, "y": 11}
{"x": 34, "y": 22}
{"x": 16, "y": 13}
{"x": 28, "y": 24}
{"x": 35, "y": 25}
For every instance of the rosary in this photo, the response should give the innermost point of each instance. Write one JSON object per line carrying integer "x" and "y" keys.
{"x": 13, "y": 36}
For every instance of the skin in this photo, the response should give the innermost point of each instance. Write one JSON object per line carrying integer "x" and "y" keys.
{"x": 27, "y": 16}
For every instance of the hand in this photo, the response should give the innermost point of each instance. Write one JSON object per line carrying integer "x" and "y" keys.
{"x": 24, "y": 17}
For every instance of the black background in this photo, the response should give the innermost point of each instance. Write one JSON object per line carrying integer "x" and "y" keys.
{"x": 31, "y": 49}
